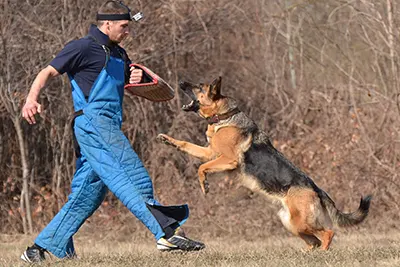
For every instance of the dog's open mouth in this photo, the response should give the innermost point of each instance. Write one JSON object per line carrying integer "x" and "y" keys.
{"x": 192, "y": 106}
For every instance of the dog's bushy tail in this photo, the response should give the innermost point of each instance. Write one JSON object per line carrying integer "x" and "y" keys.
{"x": 346, "y": 219}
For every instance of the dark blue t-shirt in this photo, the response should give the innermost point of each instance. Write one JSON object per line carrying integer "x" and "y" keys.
{"x": 84, "y": 58}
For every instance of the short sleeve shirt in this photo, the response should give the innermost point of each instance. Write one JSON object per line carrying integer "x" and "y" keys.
{"x": 83, "y": 59}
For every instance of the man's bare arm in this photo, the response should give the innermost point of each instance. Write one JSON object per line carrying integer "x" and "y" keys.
{"x": 31, "y": 106}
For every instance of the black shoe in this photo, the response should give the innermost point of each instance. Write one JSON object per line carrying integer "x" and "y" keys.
{"x": 34, "y": 254}
{"x": 178, "y": 242}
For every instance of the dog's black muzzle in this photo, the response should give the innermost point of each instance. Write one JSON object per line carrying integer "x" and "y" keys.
{"x": 187, "y": 88}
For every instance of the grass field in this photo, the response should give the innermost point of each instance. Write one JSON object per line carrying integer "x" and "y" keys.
{"x": 347, "y": 250}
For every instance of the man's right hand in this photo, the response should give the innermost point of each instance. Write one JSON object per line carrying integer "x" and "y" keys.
{"x": 30, "y": 109}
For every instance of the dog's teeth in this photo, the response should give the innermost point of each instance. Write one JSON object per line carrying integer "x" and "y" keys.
{"x": 188, "y": 105}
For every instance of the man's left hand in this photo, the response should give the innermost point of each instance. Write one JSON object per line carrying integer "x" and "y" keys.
{"x": 136, "y": 75}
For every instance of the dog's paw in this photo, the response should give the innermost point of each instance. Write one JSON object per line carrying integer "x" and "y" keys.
{"x": 165, "y": 139}
{"x": 204, "y": 187}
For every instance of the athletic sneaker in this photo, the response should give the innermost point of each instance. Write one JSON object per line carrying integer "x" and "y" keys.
{"x": 177, "y": 242}
{"x": 34, "y": 254}
{"x": 179, "y": 231}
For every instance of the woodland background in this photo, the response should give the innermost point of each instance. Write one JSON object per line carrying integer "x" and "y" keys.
{"x": 320, "y": 77}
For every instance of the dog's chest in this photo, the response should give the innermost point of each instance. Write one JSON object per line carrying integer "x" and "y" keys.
{"x": 210, "y": 132}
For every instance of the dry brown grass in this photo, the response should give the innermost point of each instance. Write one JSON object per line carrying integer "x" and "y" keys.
{"x": 347, "y": 250}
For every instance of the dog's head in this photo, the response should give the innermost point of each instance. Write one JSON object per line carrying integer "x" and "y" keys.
{"x": 206, "y": 98}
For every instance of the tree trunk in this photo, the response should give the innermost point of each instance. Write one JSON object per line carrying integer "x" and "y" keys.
{"x": 25, "y": 176}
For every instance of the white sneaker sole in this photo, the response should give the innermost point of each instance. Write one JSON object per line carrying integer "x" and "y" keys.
{"x": 163, "y": 245}
{"x": 25, "y": 258}
{"x": 164, "y": 248}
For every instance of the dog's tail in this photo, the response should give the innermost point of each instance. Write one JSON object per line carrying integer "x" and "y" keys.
{"x": 346, "y": 219}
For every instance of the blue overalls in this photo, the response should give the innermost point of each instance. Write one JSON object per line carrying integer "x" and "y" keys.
{"x": 107, "y": 160}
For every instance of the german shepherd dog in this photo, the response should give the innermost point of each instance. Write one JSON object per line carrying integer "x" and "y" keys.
{"x": 235, "y": 143}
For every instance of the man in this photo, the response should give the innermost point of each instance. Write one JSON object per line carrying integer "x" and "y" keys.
{"x": 98, "y": 69}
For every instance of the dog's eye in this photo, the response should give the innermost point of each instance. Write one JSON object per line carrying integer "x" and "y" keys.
{"x": 200, "y": 88}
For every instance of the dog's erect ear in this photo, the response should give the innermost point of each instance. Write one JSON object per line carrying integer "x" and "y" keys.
{"x": 215, "y": 88}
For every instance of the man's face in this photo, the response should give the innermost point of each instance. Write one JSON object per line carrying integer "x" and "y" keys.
{"x": 118, "y": 30}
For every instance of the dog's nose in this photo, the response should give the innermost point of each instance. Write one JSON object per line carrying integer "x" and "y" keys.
{"x": 183, "y": 84}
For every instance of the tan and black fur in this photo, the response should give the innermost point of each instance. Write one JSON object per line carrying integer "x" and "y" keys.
{"x": 236, "y": 144}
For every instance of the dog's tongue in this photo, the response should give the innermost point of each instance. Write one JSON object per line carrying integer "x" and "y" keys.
{"x": 192, "y": 106}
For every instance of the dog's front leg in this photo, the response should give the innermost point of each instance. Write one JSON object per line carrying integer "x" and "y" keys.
{"x": 203, "y": 153}
{"x": 222, "y": 163}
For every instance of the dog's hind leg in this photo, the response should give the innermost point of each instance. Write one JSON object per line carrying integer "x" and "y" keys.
{"x": 311, "y": 241}
{"x": 326, "y": 237}
{"x": 222, "y": 163}
{"x": 306, "y": 218}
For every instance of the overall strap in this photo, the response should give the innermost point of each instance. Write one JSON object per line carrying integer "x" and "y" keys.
{"x": 105, "y": 48}
{"x": 125, "y": 59}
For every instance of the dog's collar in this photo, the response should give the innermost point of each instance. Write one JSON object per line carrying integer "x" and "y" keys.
{"x": 219, "y": 117}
